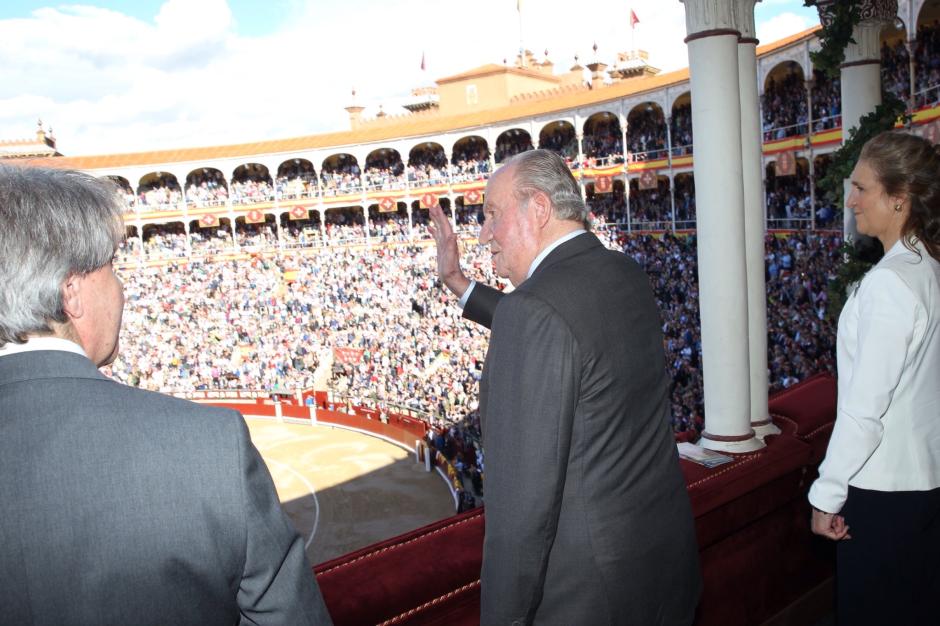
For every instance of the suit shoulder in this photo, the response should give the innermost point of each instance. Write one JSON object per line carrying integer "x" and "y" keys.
{"x": 151, "y": 402}
{"x": 528, "y": 307}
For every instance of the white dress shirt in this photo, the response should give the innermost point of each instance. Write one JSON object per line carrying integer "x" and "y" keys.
{"x": 42, "y": 343}
{"x": 887, "y": 431}
{"x": 535, "y": 262}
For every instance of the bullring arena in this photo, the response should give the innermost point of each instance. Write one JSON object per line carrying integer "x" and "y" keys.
{"x": 312, "y": 255}
{"x": 343, "y": 489}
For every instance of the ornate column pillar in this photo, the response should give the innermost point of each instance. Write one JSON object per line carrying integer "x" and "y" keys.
{"x": 366, "y": 222}
{"x": 321, "y": 211}
{"x": 861, "y": 73}
{"x": 448, "y": 167}
{"x": 716, "y": 117}
{"x": 671, "y": 175}
{"x": 626, "y": 165}
{"x": 230, "y": 211}
{"x": 751, "y": 151}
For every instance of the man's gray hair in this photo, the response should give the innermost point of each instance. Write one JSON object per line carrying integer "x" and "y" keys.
{"x": 545, "y": 171}
{"x": 53, "y": 224}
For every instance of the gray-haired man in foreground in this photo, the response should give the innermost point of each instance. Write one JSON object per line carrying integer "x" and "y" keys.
{"x": 120, "y": 506}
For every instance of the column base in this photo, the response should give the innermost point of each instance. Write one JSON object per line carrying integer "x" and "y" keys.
{"x": 735, "y": 444}
{"x": 765, "y": 427}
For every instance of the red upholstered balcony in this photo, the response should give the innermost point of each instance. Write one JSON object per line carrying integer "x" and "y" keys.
{"x": 752, "y": 520}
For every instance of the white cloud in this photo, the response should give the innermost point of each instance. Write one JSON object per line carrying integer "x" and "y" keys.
{"x": 781, "y": 26}
{"x": 109, "y": 82}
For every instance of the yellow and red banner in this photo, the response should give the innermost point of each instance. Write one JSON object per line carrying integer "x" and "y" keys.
{"x": 785, "y": 165}
{"x": 648, "y": 180}
{"x": 299, "y": 213}
{"x": 387, "y": 205}
{"x": 208, "y": 221}
{"x": 428, "y": 200}
{"x": 254, "y": 217}
{"x": 473, "y": 196}
{"x": 349, "y": 356}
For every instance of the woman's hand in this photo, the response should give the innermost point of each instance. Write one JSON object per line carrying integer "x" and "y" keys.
{"x": 829, "y": 525}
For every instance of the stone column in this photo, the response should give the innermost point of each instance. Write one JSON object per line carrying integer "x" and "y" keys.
{"x": 321, "y": 211}
{"x": 719, "y": 192}
{"x": 366, "y": 222}
{"x": 671, "y": 175}
{"x": 580, "y": 137}
{"x": 751, "y": 152}
{"x": 861, "y": 74}
{"x": 230, "y": 211}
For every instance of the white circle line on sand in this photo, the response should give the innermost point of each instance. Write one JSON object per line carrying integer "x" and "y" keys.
{"x": 313, "y": 492}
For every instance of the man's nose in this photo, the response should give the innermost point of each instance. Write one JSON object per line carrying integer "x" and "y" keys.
{"x": 486, "y": 233}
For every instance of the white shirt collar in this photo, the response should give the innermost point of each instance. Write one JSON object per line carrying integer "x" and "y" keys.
{"x": 34, "y": 344}
{"x": 545, "y": 251}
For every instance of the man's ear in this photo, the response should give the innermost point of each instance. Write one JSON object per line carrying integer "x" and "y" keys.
{"x": 72, "y": 296}
{"x": 541, "y": 207}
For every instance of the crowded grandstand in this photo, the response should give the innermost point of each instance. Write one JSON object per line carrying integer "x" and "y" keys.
{"x": 299, "y": 275}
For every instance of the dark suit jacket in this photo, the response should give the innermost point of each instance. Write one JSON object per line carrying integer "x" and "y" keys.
{"x": 587, "y": 516}
{"x": 122, "y": 506}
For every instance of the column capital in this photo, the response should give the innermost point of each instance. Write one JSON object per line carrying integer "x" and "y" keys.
{"x": 744, "y": 20}
{"x": 876, "y": 10}
{"x": 704, "y": 18}
{"x": 867, "y": 46}
{"x": 873, "y": 14}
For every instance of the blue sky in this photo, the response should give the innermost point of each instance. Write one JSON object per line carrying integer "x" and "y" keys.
{"x": 252, "y": 17}
{"x": 258, "y": 17}
{"x": 151, "y": 74}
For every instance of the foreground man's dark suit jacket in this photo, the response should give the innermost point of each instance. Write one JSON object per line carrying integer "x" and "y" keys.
{"x": 587, "y": 516}
{"x": 121, "y": 506}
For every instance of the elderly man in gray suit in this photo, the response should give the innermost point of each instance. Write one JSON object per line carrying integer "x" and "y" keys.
{"x": 120, "y": 506}
{"x": 587, "y": 516}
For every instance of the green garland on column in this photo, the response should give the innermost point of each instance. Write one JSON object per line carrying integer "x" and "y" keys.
{"x": 858, "y": 256}
{"x": 885, "y": 116}
{"x": 837, "y": 35}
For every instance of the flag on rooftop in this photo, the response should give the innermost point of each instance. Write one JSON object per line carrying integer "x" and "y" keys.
{"x": 634, "y": 20}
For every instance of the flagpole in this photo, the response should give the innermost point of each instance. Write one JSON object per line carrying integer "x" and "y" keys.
{"x": 521, "y": 46}
{"x": 632, "y": 32}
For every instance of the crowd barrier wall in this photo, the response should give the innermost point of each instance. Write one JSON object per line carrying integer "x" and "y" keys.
{"x": 400, "y": 429}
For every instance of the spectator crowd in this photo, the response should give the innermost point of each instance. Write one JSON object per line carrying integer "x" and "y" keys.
{"x": 271, "y": 323}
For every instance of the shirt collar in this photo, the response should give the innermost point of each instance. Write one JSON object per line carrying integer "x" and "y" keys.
{"x": 900, "y": 248}
{"x": 545, "y": 251}
{"x": 34, "y": 344}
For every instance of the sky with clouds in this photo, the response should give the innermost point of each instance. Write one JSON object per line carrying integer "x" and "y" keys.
{"x": 112, "y": 76}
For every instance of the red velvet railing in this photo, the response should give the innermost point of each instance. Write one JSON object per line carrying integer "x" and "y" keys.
{"x": 752, "y": 523}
